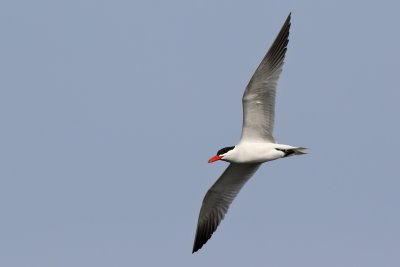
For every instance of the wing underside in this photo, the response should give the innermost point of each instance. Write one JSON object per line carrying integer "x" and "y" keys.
{"x": 259, "y": 96}
{"x": 218, "y": 198}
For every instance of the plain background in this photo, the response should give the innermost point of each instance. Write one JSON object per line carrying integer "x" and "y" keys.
{"x": 109, "y": 111}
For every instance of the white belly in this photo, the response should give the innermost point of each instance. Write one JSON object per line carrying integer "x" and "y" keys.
{"x": 249, "y": 152}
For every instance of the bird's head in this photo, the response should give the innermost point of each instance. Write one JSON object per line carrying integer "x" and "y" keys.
{"x": 222, "y": 154}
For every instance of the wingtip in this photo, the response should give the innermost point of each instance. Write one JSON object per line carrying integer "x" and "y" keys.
{"x": 201, "y": 240}
{"x": 196, "y": 247}
{"x": 198, "y": 243}
{"x": 289, "y": 17}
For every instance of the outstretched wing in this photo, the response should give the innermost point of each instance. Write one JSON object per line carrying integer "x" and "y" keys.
{"x": 259, "y": 96}
{"x": 218, "y": 198}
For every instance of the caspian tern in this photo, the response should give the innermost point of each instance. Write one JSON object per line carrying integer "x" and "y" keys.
{"x": 256, "y": 146}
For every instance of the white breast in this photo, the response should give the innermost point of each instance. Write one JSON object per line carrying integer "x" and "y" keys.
{"x": 254, "y": 152}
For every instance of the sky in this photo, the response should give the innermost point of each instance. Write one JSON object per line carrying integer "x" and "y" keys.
{"x": 109, "y": 111}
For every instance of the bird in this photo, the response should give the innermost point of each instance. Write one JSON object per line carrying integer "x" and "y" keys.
{"x": 257, "y": 144}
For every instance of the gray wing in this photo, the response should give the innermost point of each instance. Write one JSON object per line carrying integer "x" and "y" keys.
{"x": 218, "y": 198}
{"x": 259, "y": 96}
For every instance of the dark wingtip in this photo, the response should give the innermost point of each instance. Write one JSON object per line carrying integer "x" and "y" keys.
{"x": 203, "y": 233}
{"x": 287, "y": 21}
{"x": 200, "y": 240}
{"x": 288, "y": 18}
{"x": 195, "y": 250}
{"x": 197, "y": 245}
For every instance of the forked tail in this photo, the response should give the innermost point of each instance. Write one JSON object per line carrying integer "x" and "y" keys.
{"x": 294, "y": 151}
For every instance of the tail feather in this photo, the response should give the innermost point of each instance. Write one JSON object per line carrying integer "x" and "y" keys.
{"x": 294, "y": 151}
{"x": 300, "y": 151}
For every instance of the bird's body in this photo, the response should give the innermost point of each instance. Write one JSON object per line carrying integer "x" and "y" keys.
{"x": 257, "y": 144}
{"x": 257, "y": 152}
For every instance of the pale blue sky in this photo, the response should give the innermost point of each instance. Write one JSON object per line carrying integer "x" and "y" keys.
{"x": 109, "y": 111}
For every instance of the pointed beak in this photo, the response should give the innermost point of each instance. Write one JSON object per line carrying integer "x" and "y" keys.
{"x": 215, "y": 158}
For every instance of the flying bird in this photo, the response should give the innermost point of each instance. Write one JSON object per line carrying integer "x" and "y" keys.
{"x": 257, "y": 144}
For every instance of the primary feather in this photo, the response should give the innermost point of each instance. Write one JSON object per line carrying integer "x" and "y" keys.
{"x": 259, "y": 96}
